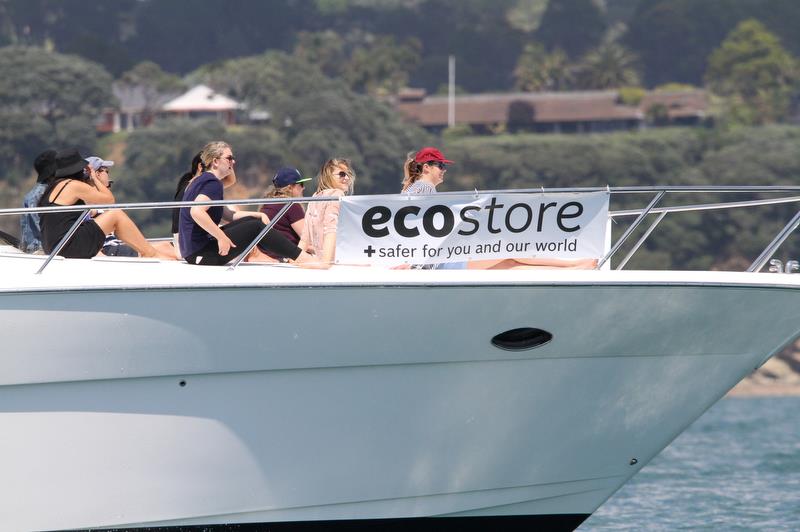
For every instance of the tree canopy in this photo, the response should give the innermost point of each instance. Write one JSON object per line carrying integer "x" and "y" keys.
{"x": 320, "y": 117}
{"x": 672, "y": 38}
{"x": 47, "y": 99}
{"x": 755, "y": 72}
{"x": 574, "y": 26}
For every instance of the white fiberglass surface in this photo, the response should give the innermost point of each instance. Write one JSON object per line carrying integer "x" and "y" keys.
{"x": 19, "y": 274}
{"x": 437, "y": 438}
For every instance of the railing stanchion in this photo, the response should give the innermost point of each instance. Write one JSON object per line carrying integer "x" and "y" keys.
{"x": 63, "y": 241}
{"x": 641, "y": 241}
{"x": 255, "y": 242}
{"x": 631, "y": 229}
{"x": 787, "y": 230}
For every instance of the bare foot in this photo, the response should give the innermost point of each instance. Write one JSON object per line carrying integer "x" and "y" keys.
{"x": 312, "y": 262}
{"x": 155, "y": 253}
{"x": 258, "y": 256}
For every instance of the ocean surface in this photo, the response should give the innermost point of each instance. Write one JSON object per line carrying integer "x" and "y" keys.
{"x": 736, "y": 468}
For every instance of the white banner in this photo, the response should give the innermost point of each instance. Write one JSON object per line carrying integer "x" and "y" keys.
{"x": 395, "y": 229}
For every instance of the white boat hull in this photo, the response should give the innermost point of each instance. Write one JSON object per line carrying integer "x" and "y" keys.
{"x": 381, "y": 398}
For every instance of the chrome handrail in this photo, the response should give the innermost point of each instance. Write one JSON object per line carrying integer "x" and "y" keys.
{"x": 263, "y": 201}
{"x": 787, "y": 230}
{"x": 261, "y": 235}
{"x": 641, "y": 240}
{"x": 707, "y": 206}
{"x": 630, "y": 229}
{"x": 641, "y": 214}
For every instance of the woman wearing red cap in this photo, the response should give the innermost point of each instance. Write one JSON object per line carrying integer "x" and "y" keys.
{"x": 424, "y": 171}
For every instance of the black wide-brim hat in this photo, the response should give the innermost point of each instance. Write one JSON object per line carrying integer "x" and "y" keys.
{"x": 45, "y": 165}
{"x": 69, "y": 162}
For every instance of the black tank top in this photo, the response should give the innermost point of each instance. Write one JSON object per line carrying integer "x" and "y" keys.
{"x": 56, "y": 224}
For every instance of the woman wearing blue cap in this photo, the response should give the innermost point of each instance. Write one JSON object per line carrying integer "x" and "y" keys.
{"x": 287, "y": 183}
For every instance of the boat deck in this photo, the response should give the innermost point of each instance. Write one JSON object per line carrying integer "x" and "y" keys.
{"x": 121, "y": 273}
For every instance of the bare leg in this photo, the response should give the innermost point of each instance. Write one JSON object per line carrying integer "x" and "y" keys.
{"x": 535, "y": 263}
{"x": 117, "y": 222}
{"x": 313, "y": 262}
{"x": 574, "y": 264}
{"x": 257, "y": 256}
{"x": 490, "y": 264}
{"x": 165, "y": 247}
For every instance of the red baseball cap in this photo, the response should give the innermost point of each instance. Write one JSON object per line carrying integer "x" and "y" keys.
{"x": 428, "y": 154}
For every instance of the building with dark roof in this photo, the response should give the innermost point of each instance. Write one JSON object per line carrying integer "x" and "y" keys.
{"x": 554, "y": 112}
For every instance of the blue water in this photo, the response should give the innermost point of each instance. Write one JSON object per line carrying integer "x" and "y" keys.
{"x": 735, "y": 468}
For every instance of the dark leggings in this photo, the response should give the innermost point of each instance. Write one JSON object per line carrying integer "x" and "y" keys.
{"x": 242, "y": 232}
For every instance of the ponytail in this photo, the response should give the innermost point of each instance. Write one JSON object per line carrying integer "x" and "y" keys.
{"x": 412, "y": 170}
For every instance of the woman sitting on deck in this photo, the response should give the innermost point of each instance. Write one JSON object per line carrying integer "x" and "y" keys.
{"x": 202, "y": 240}
{"x": 336, "y": 179}
{"x": 75, "y": 184}
{"x": 423, "y": 171}
{"x": 287, "y": 183}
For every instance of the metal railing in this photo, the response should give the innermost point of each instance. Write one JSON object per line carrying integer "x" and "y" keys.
{"x": 641, "y": 214}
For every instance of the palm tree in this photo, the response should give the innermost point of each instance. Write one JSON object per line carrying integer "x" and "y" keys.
{"x": 538, "y": 70}
{"x": 608, "y": 66}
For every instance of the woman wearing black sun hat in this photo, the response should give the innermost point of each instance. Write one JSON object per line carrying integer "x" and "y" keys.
{"x": 75, "y": 184}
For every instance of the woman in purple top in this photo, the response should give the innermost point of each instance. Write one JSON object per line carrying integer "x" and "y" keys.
{"x": 287, "y": 183}
{"x": 202, "y": 240}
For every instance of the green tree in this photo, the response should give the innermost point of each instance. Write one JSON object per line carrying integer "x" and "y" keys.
{"x": 150, "y": 76}
{"x": 574, "y": 26}
{"x": 675, "y": 37}
{"x": 377, "y": 65}
{"x": 153, "y": 83}
{"x": 755, "y": 73}
{"x": 47, "y": 99}
{"x": 538, "y": 70}
{"x": 382, "y": 67}
{"x": 526, "y": 15}
{"x": 320, "y": 117}
{"x": 608, "y": 66}
{"x": 92, "y": 30}
{"x": 326, "y": 49}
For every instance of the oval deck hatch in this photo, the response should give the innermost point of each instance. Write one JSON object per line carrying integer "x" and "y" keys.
{"x": 521, "y": 339}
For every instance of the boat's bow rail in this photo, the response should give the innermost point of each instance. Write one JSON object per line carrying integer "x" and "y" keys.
{"x": 782, "y": 195}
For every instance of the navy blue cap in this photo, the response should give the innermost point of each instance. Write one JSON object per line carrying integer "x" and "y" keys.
{"x": 288, "y": 176}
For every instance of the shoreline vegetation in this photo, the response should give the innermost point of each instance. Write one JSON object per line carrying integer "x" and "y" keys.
{"x": 779, "y": 376}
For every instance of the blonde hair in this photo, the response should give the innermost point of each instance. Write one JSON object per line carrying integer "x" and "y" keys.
{"x": 276, "y": 192}
{"x": 326, "y": 178}
{"x": 412, "y": 170}
{"x": 212, "y": 150}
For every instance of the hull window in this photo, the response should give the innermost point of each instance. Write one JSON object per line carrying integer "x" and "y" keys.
{"x": 521, "y": 339}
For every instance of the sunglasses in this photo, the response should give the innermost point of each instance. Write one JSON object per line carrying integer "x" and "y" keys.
{"x": 110, "y": 182}
{"x": 441, "y": 166}
{"x": 342, "y": 175}
{"x": 231, "y": 158}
